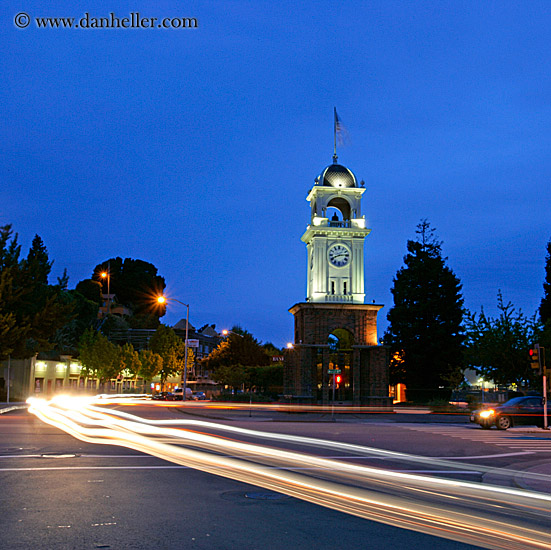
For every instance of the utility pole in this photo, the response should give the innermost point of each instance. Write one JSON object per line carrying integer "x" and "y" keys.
{"x": 9, "y": 379}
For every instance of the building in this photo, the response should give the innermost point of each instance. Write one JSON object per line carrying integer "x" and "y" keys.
{"x": 336, "y": 355}
{"x": 49, "y": 373}
{"x": 110, "y": 306}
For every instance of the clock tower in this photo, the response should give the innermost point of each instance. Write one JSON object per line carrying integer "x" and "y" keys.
{"x": 335, "y": 331}
{"x": 335, "y": 238}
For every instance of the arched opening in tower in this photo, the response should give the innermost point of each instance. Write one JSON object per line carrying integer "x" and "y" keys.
{"x": 340, "y": 343}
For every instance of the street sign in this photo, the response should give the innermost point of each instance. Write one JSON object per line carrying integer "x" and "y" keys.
{"x": 193, "y": 343}
{"x": 333, "y": 371}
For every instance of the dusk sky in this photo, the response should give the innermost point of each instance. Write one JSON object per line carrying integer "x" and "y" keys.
{"x": 194, "y": 149}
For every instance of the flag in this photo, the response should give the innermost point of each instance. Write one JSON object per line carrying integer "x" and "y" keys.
{"x": 341, "y": 133}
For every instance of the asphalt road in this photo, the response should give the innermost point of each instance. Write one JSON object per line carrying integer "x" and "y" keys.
{"x": 58, "y": 492}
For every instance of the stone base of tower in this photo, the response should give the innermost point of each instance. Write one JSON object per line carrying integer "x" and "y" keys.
{"x": 364, "y": 364}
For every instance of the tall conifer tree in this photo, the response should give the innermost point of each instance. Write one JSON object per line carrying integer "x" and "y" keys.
{"x": 545, "y": 306}
{"x": 425, "y": 332}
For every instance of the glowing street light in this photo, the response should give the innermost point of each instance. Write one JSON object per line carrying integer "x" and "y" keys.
{"x": 163, "y": 300}
{"x": 227, "y": 332}
{"x": 106, "y": 275}
{"x": 290, "y": 345}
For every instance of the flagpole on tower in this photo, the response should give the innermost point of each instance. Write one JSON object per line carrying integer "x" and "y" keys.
{"x": 335, "y": 135}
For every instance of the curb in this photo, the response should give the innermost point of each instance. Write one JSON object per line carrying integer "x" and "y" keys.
{"x": 4, "y": 410}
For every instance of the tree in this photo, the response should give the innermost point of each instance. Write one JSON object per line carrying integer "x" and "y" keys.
{"x": 238, "y": 348}
{"x": 266, "y": 379}
{"x": 91, "y": 290}
{"x": 66, "y": 339}
{"x": 130, "y": 360}
{"x": 171, "y": 348}
{"x": 99, "y": 357}
{"x": 135, "y": 284}
{"x": 498, "y": 348}
{"x": 151, "y": 364}
{"x": 425, "y": 330}
{"x": 545, "y": 305}
{"x": 235, "y": 357}
{"x": 31, "y": 310}
{"x": 234, "y": 376}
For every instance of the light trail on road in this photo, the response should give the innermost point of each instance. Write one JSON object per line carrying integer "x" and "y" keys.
{"x": 484, "y": 515}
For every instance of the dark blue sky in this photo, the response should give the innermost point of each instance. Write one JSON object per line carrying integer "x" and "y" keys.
{"x": 195, "y": 149}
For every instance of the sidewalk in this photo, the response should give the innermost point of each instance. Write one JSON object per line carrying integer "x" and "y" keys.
{"x": 7, "y": 407}
{"x": 536, "y": 477}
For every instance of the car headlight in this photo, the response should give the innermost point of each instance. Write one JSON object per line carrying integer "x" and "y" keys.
{"x": 487, "y": 413}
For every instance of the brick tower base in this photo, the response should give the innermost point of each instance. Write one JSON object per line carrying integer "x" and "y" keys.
{"x": 306, "y": 377}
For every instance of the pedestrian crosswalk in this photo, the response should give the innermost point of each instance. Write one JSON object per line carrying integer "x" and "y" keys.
{"x": 519, "y": 439}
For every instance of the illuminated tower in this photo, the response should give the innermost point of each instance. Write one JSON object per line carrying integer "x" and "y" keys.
{"x": 335, "y": 332}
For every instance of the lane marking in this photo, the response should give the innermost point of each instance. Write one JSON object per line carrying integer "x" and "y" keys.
{"x": 474, "y": 457}
{"x": 49, "y": 468}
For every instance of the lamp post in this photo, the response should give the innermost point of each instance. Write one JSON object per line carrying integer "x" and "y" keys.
{"x": 107, "y": 275}
{"x": 163, "y": 300}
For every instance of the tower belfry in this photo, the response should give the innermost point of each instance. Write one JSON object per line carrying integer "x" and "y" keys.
{"x": 335, "y": 331}
{"x": 335, "y": 238}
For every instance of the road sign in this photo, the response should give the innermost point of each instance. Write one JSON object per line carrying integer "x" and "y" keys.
{"x": 193, "y": 343}
{"x": 334, "y": 371}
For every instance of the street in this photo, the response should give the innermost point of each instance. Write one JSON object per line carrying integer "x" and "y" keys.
{"x": 60, "y": 492}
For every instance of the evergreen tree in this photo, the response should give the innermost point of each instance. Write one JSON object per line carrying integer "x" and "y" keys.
{"x": 425, "y": 332}
{"x": 38, "y": 265}
{"x": 13, "y": 331}
{"x": 545, "y": 306}
{"x": 31, "y": 310}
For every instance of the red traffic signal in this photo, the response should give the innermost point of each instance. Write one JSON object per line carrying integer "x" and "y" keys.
{"x": 338, "y": 378}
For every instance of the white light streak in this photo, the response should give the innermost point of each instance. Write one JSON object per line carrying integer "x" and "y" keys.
{"x": 484, "y": 515}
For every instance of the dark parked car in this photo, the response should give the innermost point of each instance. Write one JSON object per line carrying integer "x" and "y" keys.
{"x": 199, "y": 396}
{"x": 163, "y": 396}
{"x": 519, "y": 410}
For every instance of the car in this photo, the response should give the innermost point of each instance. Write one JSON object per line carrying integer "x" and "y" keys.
{"x": 519, "y": 410}
{"x": 162, "y": 396}
{"x": 199, "y": 396}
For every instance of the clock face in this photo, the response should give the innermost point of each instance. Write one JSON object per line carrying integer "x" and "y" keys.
{"x": 339, "y": 255}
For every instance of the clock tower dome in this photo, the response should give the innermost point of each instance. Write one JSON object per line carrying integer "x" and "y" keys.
{"x": 335, "y": 238}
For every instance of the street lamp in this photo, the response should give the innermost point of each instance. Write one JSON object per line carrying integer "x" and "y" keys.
{"x": 227, "y": 332}
{"x": 163, "y": 300}
{"x": 106, "y": 275}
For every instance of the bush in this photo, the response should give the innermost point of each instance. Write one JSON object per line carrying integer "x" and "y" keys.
{"x": 444, "y": 407}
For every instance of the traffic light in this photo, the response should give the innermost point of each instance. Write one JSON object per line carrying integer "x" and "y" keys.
{"x": 535, "y": 358}
{"x": 338, "y": 378}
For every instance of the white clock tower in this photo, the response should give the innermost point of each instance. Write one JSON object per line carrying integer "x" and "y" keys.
{"x": 335, "y": 238}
